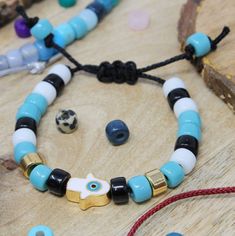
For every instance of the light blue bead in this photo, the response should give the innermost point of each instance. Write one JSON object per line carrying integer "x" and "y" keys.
{"x": 29, "y": 53}
{"x": 40, "y": 230}
{"x": 140, "y": 188}
{"x": 173, "y": 172}
{"x": 3, "y": 63}
{"x": 189, "y": 129}
{"x": 44, "y": 52}
{"x": 108, "y": 4}
{"x": 14, "y": 58}
{"x": 90, "y": 18}
{"x": 64, "y": 35}
{"x": 22, "y": 149}
{"x": 29, "y": 110}
{"x": 200, "y": 43}
{"x": 79, "y": 27}
{"x": 38, "y": 177}
{"x": 38, "y": 100}
{"x": 42, "y": 29}
{"x": 190, "y": 117}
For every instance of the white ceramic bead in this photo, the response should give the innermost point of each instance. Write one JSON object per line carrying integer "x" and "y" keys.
{"x": 46, "y": 90}
{"x": 62, "y": 71}
{"x": 185, "y": 158}
{"x": 24, "y": 135}
{"x": 171, "y": 84}
{"x": 184, "y": 104}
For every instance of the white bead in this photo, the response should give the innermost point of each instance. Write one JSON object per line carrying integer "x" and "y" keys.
{"x": 171, "y": 84}
{"x": 24, "y": 135}
{"x": 46, "y": 90}
{"x": 62, "y": 71}
{"x": 184, "y": 104}
{"x": 185, "y": 158}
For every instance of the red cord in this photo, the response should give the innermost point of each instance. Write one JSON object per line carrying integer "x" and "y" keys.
{"x": 168, "y": 201}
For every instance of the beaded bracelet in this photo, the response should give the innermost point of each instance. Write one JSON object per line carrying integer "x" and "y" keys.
{"x": 92, "y": 191}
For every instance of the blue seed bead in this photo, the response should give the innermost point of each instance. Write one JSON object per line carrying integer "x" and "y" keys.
{"x": 29, "y": 53}
{"x": 42, "y": 29}
{"x": 64, "y": 35}
{"x": 117, "y": 132}
{"x": 173, "y": 172}
{"x": 29, "y": 110}
{"x": 79, "y": 27}
{"x": 200, "y": 42}
{"x": 44, "y": 52}
{"x": 140, "y": 188}
{"x": 90, "y": 18}
{"x": 38, "y": 100}
{"x": 190, "y": 117}
{"x": 40, "y": 230}
{"x": 108, "y": 4}
{"x": 3, "y": 63}
{"x": 38, "y": 177}
{"x": 22, "y": 149}
{"x": 189, "y": 129}
{"x": 98, "y": 9}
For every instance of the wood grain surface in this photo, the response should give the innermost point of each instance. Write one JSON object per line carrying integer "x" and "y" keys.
{"x": 151, "y": 123}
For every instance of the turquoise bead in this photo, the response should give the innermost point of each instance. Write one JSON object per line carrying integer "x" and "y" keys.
{"x": 22, "y": 149}
{"x": 140, "y": 188}
{"x": 40, "y": 230}
{"x": 108, "y": 4}
{"x": 44, "y": 52}
{"x": 64, "y": 35}
{"x": 200, "y": 42}
{"x": 38, "y": 177}
{"x": 67, "y": 3}
{"x": 190, "y": 117}
{"x": 79, "y": 27}
{"x": 189, "y": 129}
{"x": 29, "y": 110}
{"x": 42, "y": 29}
{"x": 115, "y": 2}
{"x": 90, "y": 18}
{"x": 173, "y": 172}
{"x": 38, "y": 100}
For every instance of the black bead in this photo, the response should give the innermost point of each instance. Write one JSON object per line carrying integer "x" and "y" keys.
{"x": 26, "y": 122}
{"x": 98, "y": 9}
{"x": 188, "y": 142}
{"x": 119, "y": 190}
{"x": 56, "y": 82}
{"x": 175, "y": 95}
{"x": 57, "y": 182}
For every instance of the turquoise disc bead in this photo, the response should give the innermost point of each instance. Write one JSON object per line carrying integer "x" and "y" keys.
{"x": 79, "y": 27}
{"x": 29, "y": 110}
{"x": 40, "y": 230}
{"x": 190, "y": 117}
{"x": 38, "y": 100}
{"x": 38, "y": 177}
{"x": 108, "y": 4}
{"x": 90, "y": 18}
{"x": 22, "y": 149}
{"x": 67, "y": 3}
{"x": 42, "y": 29}
{"x": 200, "y": 42}
{"x": 173, "y": 172}
{"x": 44, "y": 52}
{"x": 190, "y": 129}
{"x": 140, "y": 188}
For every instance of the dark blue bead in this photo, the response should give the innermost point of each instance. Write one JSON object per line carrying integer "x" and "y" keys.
{"x": 98, "y": 9}
{"x": 117, "y": 132}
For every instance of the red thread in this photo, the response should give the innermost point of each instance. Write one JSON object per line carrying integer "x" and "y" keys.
{"x": 168, "y": 201}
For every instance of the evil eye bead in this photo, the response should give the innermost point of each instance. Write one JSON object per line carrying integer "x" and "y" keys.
{"x": 90, "y": 18}
{"x": 172, "y": 84}
{"x": 40, "y": 230}
{"x": 117, "y": 132}
{"x": 42, "y": 29}
{"x": 184, "y": 104}
{"x": 79, "y": 26}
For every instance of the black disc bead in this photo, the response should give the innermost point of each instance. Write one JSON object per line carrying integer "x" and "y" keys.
{"x": 26, "y": 122}
{"x": 187, "y": 142}
{"x": 57, "y": 182}
{"x": 56, "y": 81}
{"x": 119, "y": 190}
{"x": 98, "y": 9}
{"x": 177, "y": 94}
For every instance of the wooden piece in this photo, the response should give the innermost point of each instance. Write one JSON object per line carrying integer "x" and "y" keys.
{"x": 218, "y": 68}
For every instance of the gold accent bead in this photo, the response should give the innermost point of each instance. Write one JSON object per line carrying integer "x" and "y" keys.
{"x": 157, "y": 181}
{"x": 30, "y": 161}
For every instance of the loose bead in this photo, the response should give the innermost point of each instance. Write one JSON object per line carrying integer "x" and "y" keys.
{"x": 115, "y": 2}
{"x": 44, "y": 52}
{"x": 108, "y": 4}
{"x": 117, "y": 132}
{"x": 38, "y": 100}
{"x": 42, "y": 29}
{"x": 39, "y": 176}
{"x": 40, "y": 230}
{"x": 189, "y": 129}
{"x": 29, "y": 53}
{"x": 176, "y": 95}
{"x": 119, "y": 190}
{"x": 190, "y": 117}
{"x": 200, "y": 42}
{"x": 173, "y": 173}
{"x": 174, "y": 234}
{"x": 26, "y": 122}
{"x": 21, "y": 28}
{"x": 56, "y": 81}
{"x": 98, "y": 9}
{"x": 3, "y": 63}
{"x": 184, "y": 158}
{"x": 14, "y": 58}
{"x": 23, "y": 135}
{"x": 79, "y": 26}
{"x": 140, "y": 188}
{"x": 22, "y": 149}
{"x": 171, "y": 84}
{"x": 184, "y": 104}
{"x": 62, "y": 71}
{"x": 67, "y": 3}
{"x": 46, "y": 90}
{"x": 57, "y": 182}
{"x": 188, "y": 142}
{"x": 90, "y": 18}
